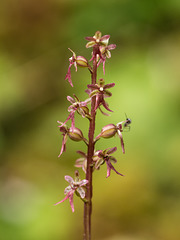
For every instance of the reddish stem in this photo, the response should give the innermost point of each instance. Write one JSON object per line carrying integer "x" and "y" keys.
{"x": 90, "y": 153}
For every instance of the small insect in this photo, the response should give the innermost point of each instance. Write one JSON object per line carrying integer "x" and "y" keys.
{"x": 127, "y": 122}
{"x": 124, "y": 125}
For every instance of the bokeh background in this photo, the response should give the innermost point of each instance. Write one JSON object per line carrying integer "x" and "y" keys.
{"x": 34, "y": 40}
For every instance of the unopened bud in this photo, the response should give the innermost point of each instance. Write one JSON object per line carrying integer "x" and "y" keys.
{"x": 76, "y": 134}
{"x": 81, "y": 61}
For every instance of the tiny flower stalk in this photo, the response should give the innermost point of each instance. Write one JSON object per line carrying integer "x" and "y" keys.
{"x": 91, "y": 159}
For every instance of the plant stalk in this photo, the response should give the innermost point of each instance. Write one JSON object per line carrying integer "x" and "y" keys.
{"x": 90, "y": 153}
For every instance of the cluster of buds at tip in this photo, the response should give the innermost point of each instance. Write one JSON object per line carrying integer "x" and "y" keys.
{"x": 75, "y": 186}
{"x": 101, "y": 49}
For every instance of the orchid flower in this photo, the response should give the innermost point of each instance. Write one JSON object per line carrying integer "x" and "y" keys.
{"x": 80, "y": 107}
{"x": 81, "y": 162}
{"x": 96, "y": 41}
{"x": 105, "y": 51}
{"x": 75, "y": 135}
{"x": 76, "y": 61}
{"x": 100, "y": 91}
{"x": 104, "y": 156}
{"x": 75, "y": 186}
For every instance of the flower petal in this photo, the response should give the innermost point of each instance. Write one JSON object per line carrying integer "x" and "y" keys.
{"x": 89, "y": 38}
{"x": 90, "y": 44}
{"x": 83, "y": 182}
{"x": 69, "y": 179}
{"x": 106, "y": 114}
{"x": 107, "y": 93}
{"x": 99, "y": 163}
{"x": 63, "y": 148}
{"x": 68, "y": 75}
{"x": 93, "y": 93}
{"x": 71, "y": 202}
{"x": 93, "y": 86}
{"x": 70, "y": 99}
{"x": 97, "y": 35}
{"x": 106, "y": 106}
{"x": 66, "y": 197}
{"x": 110, "y": 167}
{"x": 108, "y": 54}
{"x": 100, "y": 154}
{"x": 67, "y": 189}
{"x": 112, "y": 159}
{"x": 74, "y": 55}
{"x": 111, "y": 150}
{"x": 105, "y": 38}
{"x": 110, "y": 85}
{"x": 121, "y": 138}
{"x": 111, "y": 46}
{"x": 79, "y": 162}
{"x": 81, "y": 191}
{"x": 82, "y": 154}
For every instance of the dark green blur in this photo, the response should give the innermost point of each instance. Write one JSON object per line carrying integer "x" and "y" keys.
{"x": 145, "y": 66}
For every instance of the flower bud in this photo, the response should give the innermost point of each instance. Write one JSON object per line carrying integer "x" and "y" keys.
{"x": 108, "y": 131}
{"x": 81, "y": 61}
{"x": 75, "y": 135}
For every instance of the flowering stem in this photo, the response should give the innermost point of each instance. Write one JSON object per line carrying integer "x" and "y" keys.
{"x": 90, "y": 153}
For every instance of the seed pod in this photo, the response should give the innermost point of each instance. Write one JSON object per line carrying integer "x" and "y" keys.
{"x": 75, "y": 135}
{"x": 108, "y": 131}
{"x": 84, "y": 112}
{"x": 81, "y": 61}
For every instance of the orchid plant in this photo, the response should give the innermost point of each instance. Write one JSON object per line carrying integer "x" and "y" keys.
{"x": 93, "y": 159}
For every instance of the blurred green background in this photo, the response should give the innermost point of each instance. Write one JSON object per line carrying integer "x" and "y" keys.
{"x": 34, "y": 40}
